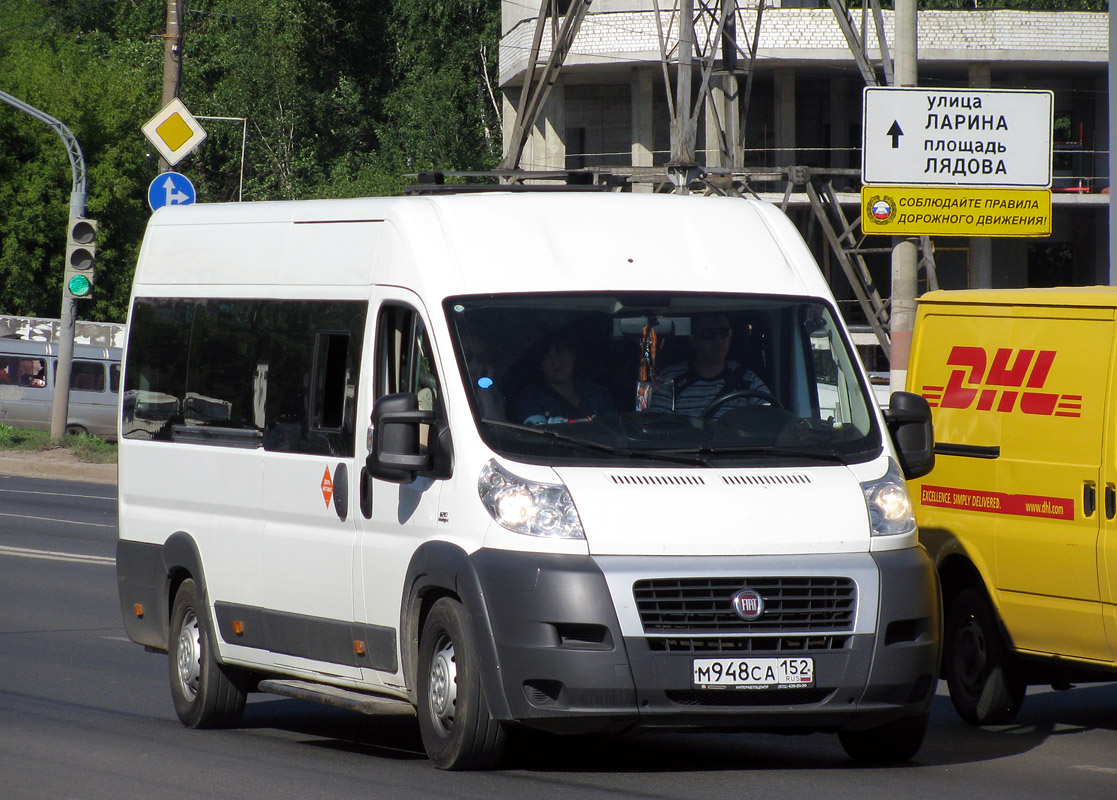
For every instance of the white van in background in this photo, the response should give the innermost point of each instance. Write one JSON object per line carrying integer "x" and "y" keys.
{"x": 27, "y": 375}
{"x": 343, "y": 478}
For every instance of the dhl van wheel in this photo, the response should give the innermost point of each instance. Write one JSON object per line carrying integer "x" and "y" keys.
{"x": 205, "y": 693}
{"x": 984, "y": 681}
{"x": 454, "y": 722}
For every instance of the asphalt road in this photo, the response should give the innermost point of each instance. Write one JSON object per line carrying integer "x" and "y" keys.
{"x": 86, "y": 715}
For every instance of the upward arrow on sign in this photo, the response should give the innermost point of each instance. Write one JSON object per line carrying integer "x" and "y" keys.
{"x": 895, "y": 132}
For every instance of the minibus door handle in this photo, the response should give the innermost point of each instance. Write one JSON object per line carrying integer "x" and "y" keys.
{"x": 1089, "y": 499}
{"x": 1110, "y": 501}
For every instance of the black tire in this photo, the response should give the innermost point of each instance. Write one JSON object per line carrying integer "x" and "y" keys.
{"x": 892, "y": 743}
{"x": 454, "y": 720}
{"x": 206, "y": 694}
{"x": 985, "y": 684}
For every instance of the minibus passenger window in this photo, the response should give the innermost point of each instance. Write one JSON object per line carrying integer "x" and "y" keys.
{"x": 33, "y": 372}
{"x": 114, "y": 378}
{"x": 331, "y": 354}
{"x": 87, "y": 376}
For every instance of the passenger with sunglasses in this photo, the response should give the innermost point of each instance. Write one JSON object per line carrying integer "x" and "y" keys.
{"x": 690, "y": 388}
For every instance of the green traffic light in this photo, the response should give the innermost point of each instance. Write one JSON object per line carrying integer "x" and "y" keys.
{"x": 79, "y": 286}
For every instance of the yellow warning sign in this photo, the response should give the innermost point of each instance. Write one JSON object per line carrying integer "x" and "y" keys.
{"x": 955, "y": 211}
{"x": 174, "y": 132}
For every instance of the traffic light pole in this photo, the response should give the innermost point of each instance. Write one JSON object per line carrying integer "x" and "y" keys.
{"x": 61, "y": 404}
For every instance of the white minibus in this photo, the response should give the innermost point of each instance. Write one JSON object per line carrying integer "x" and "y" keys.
{"x": 463, "y": 454}
{"x": 28, "y": 369}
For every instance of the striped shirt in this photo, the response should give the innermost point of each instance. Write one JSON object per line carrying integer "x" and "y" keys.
{"x": 683, "y": 391}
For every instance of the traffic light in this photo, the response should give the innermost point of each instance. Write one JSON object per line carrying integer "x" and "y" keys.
{"x": 81, "y": 251}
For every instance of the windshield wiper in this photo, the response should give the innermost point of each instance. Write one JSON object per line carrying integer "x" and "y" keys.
{"x": 679, "y": 457}
{"x": 548, "y": 433}
{"x": 771, "y": 450}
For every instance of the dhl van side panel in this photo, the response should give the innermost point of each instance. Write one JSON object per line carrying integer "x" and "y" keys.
{"x": 1021, "y": 389}
{"x": 990, "y": 383}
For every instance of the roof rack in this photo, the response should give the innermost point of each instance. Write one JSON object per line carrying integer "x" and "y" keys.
{"x": 507, "y": 181}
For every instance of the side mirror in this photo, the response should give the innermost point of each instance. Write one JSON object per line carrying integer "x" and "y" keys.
{"x": 909, "y": 421}
{"x": 396, "y": 454}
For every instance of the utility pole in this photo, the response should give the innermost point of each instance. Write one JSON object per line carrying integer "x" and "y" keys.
{"x": 172, "y": 61}
{"x": 683, "y": 133}
{"x": 905, "y": 252}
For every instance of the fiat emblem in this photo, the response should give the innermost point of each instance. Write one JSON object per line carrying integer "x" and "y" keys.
{"x": 748, "y": 604}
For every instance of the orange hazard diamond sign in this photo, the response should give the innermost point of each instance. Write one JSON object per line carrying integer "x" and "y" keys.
{"x": 327, "y": 487}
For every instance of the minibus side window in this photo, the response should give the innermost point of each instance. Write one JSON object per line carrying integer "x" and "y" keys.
{"x": 331, "y": 351}
{"x": 85, "y": 376}
{"x": 114, "y": 378}
{"x": 405, "y": 360}
{"x": 276, "y": 373}
{"x": 31, "y": 372}
{"x": 9, "y": 370}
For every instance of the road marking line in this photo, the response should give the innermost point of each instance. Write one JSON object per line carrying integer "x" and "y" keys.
{"x": 61, "y": 494}
{"x": 50, "y": 555}
{"x": 1091, "y": 768}
{"x": 65, "y": 521}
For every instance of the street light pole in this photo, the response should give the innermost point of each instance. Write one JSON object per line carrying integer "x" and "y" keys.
{"x": 68, "y": 318}
{"x": 905, "y": 255}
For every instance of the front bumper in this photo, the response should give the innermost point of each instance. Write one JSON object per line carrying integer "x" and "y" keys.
{"x": 572, "y": 654}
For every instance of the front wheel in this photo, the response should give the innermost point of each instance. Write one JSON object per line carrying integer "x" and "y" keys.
{"x": 454, "y": 720}
{"x": 984, "y": 681}
{"x": 205, "y": 693}
{"x": 892, "y": 743}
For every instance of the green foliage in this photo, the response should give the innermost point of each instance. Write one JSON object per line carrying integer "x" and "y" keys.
{"x": 90, "y": 449}
{"x": 342, "y": 98}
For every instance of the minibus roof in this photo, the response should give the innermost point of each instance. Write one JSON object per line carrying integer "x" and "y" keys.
{"x": 497, "y": 242}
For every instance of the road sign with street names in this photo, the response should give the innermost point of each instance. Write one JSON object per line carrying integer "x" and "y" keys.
{"x": 957, "y": 137}
{"x": 174, "y": 132}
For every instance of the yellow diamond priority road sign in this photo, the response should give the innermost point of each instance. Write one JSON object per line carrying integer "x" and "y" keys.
{"x": 174, "y": 132}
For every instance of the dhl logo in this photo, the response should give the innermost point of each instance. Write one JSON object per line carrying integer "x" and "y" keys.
{"x": 1014, "y": 377}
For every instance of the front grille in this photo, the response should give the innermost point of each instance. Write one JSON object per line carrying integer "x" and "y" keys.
{"x": 704, "y": 605}
{"x": 740, "y": 645}
{"x": 748, "y": 697}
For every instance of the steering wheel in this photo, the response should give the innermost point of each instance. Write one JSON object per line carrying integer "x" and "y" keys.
{"x": 718, "y": 402}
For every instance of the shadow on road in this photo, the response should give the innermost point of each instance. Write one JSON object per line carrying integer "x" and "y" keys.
{"x": 949, "y": 741}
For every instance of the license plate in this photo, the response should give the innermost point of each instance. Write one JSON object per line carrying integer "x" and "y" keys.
{"x": 753, "y": 673}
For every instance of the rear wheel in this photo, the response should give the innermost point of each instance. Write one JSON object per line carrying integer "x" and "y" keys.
{"x": 892, "y": 743}
{"x": 985, "y": 684}
{"x": 205, "y": 693}
{"x": 454, "y": 720}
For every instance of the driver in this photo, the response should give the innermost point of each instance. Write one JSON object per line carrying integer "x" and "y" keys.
{"x": 689, "y": 388}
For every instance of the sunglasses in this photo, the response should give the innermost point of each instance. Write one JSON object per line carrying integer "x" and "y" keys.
{"x": 714, "y": 333}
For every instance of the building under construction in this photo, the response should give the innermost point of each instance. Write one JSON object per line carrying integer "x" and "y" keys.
{"x": 765, "y": 97}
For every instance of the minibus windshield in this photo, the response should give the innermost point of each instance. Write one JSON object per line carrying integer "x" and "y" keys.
{"x": 700, "y": 379}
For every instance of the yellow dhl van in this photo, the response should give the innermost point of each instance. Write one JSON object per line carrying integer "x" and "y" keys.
{"x": 1018, "y": 512}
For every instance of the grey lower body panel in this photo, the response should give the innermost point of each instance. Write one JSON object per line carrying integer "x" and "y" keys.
{"x": 567, "y": 663}
{"x": 142, "y": 583}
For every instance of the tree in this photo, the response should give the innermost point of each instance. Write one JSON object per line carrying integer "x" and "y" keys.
{"x": 93, "y": 83}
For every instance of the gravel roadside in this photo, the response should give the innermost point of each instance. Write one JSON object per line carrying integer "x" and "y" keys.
{"x": 58, "y": 463}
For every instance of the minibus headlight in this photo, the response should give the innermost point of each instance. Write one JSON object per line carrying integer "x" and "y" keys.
{"x": 890, "y": 508}
{"x": 535, "y": 509}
